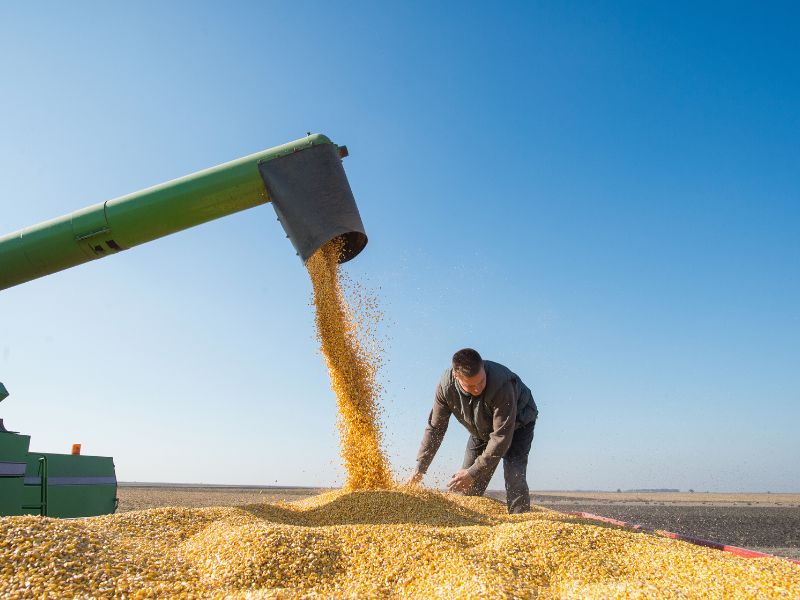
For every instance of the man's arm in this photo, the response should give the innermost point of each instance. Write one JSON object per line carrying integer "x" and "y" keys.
{"x": 434, "y": 432}
{"x": 503, "y": 421}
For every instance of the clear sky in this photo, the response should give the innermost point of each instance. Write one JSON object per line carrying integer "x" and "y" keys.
{"x": 605, "y": 197}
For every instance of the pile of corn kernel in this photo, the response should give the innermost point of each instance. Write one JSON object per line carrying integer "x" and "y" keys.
{"x": 410, "y": 543}
{"x": 343, "y": 331}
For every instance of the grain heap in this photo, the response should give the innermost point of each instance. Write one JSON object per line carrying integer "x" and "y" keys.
{"x": 367, "y": 544}
{"x": 353, "y": 369}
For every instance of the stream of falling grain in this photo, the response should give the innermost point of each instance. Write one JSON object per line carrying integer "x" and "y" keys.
{"x": 353, "y": 370}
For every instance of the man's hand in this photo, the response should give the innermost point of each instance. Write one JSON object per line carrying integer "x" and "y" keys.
{"x": 461, "y": 481}
{"x": 414, "y": 479}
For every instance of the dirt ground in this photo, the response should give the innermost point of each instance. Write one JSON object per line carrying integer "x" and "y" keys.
{"x": 764, "y": 522}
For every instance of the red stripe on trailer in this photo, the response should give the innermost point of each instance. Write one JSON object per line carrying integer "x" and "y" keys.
{"x": 744, "y": 552}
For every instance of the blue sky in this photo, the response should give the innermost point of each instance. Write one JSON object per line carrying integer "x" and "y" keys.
{"x": 605, "y": 197}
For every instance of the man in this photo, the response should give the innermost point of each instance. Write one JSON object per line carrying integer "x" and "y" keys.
{"x": 498, "y": 411}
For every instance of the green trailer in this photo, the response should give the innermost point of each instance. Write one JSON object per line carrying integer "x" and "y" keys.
{"x": 307, "y": 186}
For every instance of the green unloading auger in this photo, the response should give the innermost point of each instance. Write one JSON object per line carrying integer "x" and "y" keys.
{"x": 304, "y": 180}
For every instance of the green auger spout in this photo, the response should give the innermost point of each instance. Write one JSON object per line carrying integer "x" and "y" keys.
{"x": 304, "y": 180}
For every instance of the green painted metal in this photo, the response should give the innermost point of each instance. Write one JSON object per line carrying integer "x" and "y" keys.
{"x": 55, "y": 485}
{"x": 125, "y": 222}
{"x": 71, "y": 491}
{"x": 41, "y": 507}
{"x": 11, "y": 496}
{"x": 13, "y": 451}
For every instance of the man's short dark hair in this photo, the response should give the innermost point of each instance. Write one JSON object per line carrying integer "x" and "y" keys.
{"x": 467, "y": 362}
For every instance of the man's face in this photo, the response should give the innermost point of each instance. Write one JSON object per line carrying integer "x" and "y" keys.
{"x": 474, "y": 385}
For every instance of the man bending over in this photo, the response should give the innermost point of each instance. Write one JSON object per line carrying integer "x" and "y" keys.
{"x": 498, "y": 411}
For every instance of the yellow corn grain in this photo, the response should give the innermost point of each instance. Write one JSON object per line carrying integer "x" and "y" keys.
{"x": 364, "y": 541}
{"x": 352, "y": 369}
{"x": 409, "y": 543}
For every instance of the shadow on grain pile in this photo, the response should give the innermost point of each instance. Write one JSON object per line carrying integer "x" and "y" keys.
{"x": 382, "y": 507}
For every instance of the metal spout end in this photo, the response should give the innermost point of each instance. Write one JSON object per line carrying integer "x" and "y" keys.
{"x": 313, "y": 200}
{"x": 354, "y": 243}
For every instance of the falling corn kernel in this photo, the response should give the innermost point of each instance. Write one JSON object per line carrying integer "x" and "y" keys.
{"x": 352, "y": 369}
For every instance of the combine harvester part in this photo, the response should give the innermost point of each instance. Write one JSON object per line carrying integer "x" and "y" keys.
{"x": 307, "y": 185}
{"x": 744, "y": 552}
{"x": 52, "y": 485}
{"x": 304, "y": 179}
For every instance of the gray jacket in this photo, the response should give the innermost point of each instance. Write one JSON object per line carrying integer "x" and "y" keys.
{"x": 506, "y": 404}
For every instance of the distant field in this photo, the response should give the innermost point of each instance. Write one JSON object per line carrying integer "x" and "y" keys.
{"x": 142, "y": 496}
{"x": 675, "y": 497}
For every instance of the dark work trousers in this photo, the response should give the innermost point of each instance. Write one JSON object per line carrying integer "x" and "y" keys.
{"x": 515, "y": 466}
